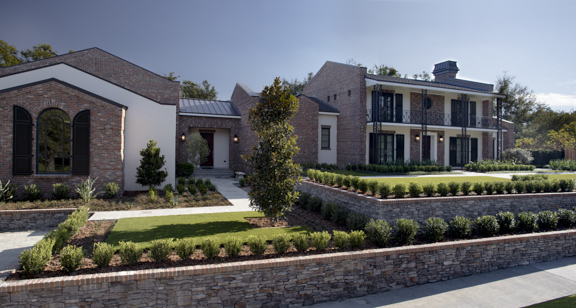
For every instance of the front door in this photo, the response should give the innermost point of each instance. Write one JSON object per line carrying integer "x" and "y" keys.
{"x": 210, "y": 139}
{"x": 426, "y": 147}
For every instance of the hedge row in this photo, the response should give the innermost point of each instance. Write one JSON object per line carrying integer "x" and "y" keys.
{"x": 563, "y": 164}
{"x": 486, "y": 166}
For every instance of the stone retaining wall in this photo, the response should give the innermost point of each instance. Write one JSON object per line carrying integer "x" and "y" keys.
{"x": 447, "y": 208}
{"x": 291, "y": 281}
{"x": 17, "y": 220}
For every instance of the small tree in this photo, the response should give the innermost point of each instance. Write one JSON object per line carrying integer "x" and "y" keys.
{"x": 197, "y": 149}
{"x": 149, "y": 173}
{"x": 274, "y": 173}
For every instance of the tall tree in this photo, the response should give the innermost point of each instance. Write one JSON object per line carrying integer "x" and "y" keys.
{"x": 274, "y": 173}
{"x": 384, "y": 70}
{"x": 171, "y": 76}
{"x": 8, "y": 55}
{"x": 188, "y": 89}
{"x": 149, "y": 172}
{"x": 297, "y": 86}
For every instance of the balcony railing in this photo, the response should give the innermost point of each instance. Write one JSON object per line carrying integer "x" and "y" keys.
{"x": 433, "y": 118}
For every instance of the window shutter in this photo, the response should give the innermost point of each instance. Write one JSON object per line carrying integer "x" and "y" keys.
{"x": 22, "y": 142}
{"x": 81, "y": 144}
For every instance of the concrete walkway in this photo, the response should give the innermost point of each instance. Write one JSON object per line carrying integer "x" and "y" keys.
{"x": 514, "y": 287}
{"x": 12, "y": 244}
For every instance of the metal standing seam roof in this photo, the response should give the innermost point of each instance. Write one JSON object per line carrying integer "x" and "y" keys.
{"x": 208, "y": 107}
{"x": 434, "y": 84}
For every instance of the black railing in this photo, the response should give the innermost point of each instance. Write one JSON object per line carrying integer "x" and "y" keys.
{"x": 433, "y": 118}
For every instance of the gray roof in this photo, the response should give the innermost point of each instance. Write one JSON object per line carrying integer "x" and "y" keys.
{"x": 208, "y": 107}
{"x": 322, "y": 105}
{"x": 434, "y": 84}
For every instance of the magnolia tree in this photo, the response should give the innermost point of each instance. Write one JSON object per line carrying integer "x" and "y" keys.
{"x": 274, "y": 173}
{"x": 197, "y": 149}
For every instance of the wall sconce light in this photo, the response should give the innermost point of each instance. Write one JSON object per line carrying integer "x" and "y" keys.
{"x": 441, "y": 139}
{"x": 183, "y": 137}
{"x": 417, "y": 138}
{"x": 236, "y": 139}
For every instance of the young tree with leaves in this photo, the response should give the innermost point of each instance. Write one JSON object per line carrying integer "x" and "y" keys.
{"x": 274, "y": 172}
{"x": 188, "y": 89}
{"x": 197, "y": 149}
{"x": 149, "y": 173}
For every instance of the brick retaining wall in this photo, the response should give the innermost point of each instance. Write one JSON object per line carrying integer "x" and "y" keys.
{"x": 447, "y": 208}
{"x": 291, "y": 281}
{"x": 13, "y": 220}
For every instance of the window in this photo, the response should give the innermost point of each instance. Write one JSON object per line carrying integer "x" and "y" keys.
{"x": 22, "y": 142}
{"x": 349, "y": 92}
{"x": 328, "y": 98}
{"x": 53, "y": 142}
{"x": 334, "y": 96}
{"x": 381, "y": 148}
{"x": 325, "y": 138}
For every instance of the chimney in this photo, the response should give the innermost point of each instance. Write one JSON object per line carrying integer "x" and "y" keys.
{"x": 445, "y": 71}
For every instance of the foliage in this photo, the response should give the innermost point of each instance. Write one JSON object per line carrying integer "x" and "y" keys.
{"x": 32, "y": 192}
{"x": 429, "y": 189}
{"x": 189, "y": 89}
{"x": 399, "y": 190}
{"x": 111, "y": 190}
{"x": 301, "y": 242}
{"x": 486, "y": 225}
{"x": 340, "y": 215}
{"x": 242, "y": 182}
{"x": 518, "y": 156}
{"x": 378, "y": 232}
{"x": 296, "y": 86}
{"x": 356, "y": 221}
{"x": 357, "y": 239}
{"x": 102, "y": 254}
{"x": 7, "y": 190}
{"x": 442, "y": 189}
{"x": 9, "y": 54}
{"x": 494, "y": 165}
{"x": 274, "y": 173}
{"x": 373, "y": 187}
{"x": 152, "y": 195}
{"x": 185, "y": 247}
{"x": 414, "y": 190}
{"x": 527, "y": 222}
{"x": 86, "y": 190}
{"x": 281, "y": 243}
{"x": 519, "y": 186}
{"x": 129, "y": 252}
{"x": 406, "y": 230}
{"x": 210, "y": 248}
{"x": 68, "y": 228}
{"x": 506, "y": 221}
{"x": 327, "y": 210}
{"x": 563, "y": 164}
{"x": 60, "y": 191}
{"x": 149, "y": 173}
{"x": 233, "y": 247}
{"x": 184, "y": 169}
{"x": 341, "y": 239}
{"x": 454, "y": 187}
{"x": 71, "y": 257}
{"x": 478, "y": 188}
{"x": 460, "y": 227}
{"x": 362, "y": 186}
{"x": 34, "y": 260}
{"x": 181, "y": 188}
{"x": 465, "y": 188}
{"x": 547, "y": 220}
{"x": 384, "y": 189}
{"x": 320, "y": 240}
{"x": 257, "y": 245}
{"x": 529, "y": 177}
{"x": 384, "y": 70}
{"x": 489, "y": 187}
{"x": 160, "y": 250}
{"x": 434, "y": 228}
{"x": 566, "y": 218}
{"x": 197, "y": 149}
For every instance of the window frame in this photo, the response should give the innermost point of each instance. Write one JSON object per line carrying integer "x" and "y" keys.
{"x": 65, "y": 143}
{"x": 323, "y": 136}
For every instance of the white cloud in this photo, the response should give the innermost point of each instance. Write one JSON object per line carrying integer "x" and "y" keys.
{"x": 557, "y": 101}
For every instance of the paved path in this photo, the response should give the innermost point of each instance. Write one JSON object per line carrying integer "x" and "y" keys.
{"x": 514, "y": 287}
{"x": 12, "y": 244}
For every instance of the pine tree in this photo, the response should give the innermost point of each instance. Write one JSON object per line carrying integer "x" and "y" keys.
{"x": 274, "y": 173}
{"x": 149, "y": 173}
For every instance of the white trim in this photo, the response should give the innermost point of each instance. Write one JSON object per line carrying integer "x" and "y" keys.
{"x": 329, "y": 113}
{"x": 189, "y": 114}
{"x": 371, "y": 82}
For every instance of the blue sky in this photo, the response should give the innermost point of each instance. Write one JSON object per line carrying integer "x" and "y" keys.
{"x": 253, "y": 41}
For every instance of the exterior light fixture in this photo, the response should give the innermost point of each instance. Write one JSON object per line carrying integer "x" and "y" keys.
{"x": 183, "y": 137}
{"x": 441, "y": 139}
{"x": 236, "y": 139}
{"x": 417, "y": 138}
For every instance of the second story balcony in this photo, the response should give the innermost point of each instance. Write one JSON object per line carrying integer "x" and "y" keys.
{"x": 432, "y": 118}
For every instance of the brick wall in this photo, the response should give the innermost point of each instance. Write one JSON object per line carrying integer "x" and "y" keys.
{"x": 106, "y": 133}
{"x": 20, "y": 220}
{"x": 508, "y": 138}
{"x": 305, "y": 124}
{"x": 291, "y": 281}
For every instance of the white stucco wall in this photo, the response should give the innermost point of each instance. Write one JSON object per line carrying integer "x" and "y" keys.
{"x": 328, "y": 156}
{"x": 221, "y": 146}
{"x": 145, "y": 119}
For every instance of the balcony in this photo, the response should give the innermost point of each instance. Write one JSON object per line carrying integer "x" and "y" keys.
{"x": 433, "y": 118}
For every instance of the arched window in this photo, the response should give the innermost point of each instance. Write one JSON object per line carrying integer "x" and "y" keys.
{"x": 53, "y": 142}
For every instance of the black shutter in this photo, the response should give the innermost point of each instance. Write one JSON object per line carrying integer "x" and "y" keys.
{"x": 22, "y": 142}
{"x": 453, "y": 150}
{"x": 81, "y": 143}
{"x": 399, "y": 110}
{"x": 474, "y": 149}
{"x": 400, "y": 147}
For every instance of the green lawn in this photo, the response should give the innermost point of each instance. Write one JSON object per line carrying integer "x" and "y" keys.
{"x": 349, "y": 172}
{"x": 561, "y": 176}
{"x": 438, "y": 179}
{"x": 568, "y": 301}
{"x": 199, "y": 226}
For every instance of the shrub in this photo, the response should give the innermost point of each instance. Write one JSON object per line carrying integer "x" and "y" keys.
{"x": 460, "y": 227}
{"x": 341, "y": 239}
{"x": 527, "y": 222}
{"x": 356, "y": 221}
{"x": 399, "y": 190}
{"x": 435, "y": 228}
{"x": 71, "y": 257}
{"x": 566, "y": 218}
{"x": 346, "y": 181}
{"x": 489, "y": 187}
{"x": 509, "y": 187}
{"x": 129, "y": 252}
{"x": 429, "y": 189}
{"x": 566, "y": 184}
{"x": 152, "y": 195}
{"x": 442, "y": 189}
{"x": 506, "y": 221}
{"x": 555, "y": 185}
{"x": 518, "y": 156}
{"x": 32, "y": 193}
{"x": 384, "y": 189}
{"x": 60, "y": 191}
{"x": 181, "y": 181}
{"x": 168, "y": 188}
{"x": 257, "y": 245}
{"x": 373, "y": 187}
{"x": 160, "y": 250}
{"x": 454, "y": 188}
{"x": 354, "y": 182}
{"x": 538, "y": 186}
{"x": 362, "y": 185}
{"x": 242, "y": 182}
{"x": 192, "y": 189}
{"x": 499, "y": 187}
{"x": 529, "y": 186}
{"x": 378, "y": 232}
{"x": 315, "y": 204}
{"x": 486, "y": 226}
{"x": 34, "y": 260}
{"x": 339, "y": 215}
{"x": 210, "y": 248}
{"x": 233, "y": 246}
{"x": 102, "y": 254}
{"x": 181, "y": 189}
{"x": 478, "y": 188}
{"x": 357, "y": 239}
{"x": 169, "y": 196}
{"x": 449, "y": 168}
{"x": 7, "y": 191}
{"x": 185, "y": 247}
{"x": 281, "y": 243}
{"x": 339, "y": 180}
{"x": 320, "y": 240}
{"x": 406, "y": 230}
{"x": 86, "y": 190}
{"x": 519, "y": 187}
{"x": 111, "y": 190}
{"x": 184, "y": 169}
{"x": 547, "y": 220}
{"x": 301, "y": 242}
{"x": 465, "y": 188}
{"x": 327, "y": 209}
{"x": 414, "y": 190}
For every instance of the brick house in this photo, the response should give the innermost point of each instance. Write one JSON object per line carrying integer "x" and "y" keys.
{"x": 383, "y": 119}
{"x": 85, "y": 113}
